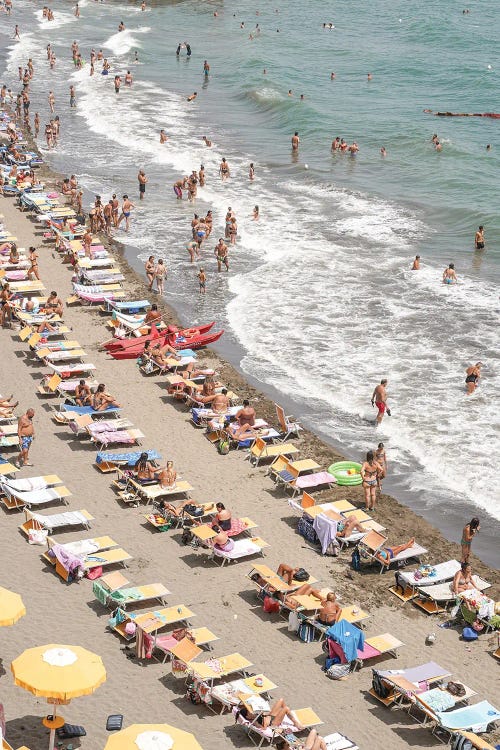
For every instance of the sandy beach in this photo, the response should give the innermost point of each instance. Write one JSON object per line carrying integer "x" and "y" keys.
{"x": 222, "y": 599}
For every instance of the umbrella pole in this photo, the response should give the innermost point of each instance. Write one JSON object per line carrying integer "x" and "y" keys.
{"x": 53, "y": 731}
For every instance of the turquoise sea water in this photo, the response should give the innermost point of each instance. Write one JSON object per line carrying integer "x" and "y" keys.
{"x": 319, "y": 302}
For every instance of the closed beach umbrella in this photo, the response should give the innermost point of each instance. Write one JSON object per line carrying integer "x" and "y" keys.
{"x": 58, "y": 673}
{"x": 152, "y": 737}
{"x": 11, "y": 607}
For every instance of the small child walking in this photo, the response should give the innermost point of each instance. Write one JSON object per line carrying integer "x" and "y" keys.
{"x": 202, "y": 278}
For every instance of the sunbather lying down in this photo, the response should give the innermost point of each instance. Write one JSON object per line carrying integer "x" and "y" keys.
{"x": 273, "y": 718}
{"x": 388, "y": 553}
{"x": 346, "y": 528}
{"x": 312, "y": 742}
{"x": 6, "y": 406}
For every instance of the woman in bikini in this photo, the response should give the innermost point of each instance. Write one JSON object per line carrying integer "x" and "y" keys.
{"x": 222, "y": 518}
{"x": 14, "y": 255}
{"x": 160, "y": 274}
{"x": 33, "y": 259}
{"x": 274, "y": 718}
{"x": 389, "y": 553}
{"x": 463, "y": 579}
{"x": 149, "y": 267}
{"x": 103, "y": 400}
{"x": 381, "y": 459}
{"x": 370, "y": 472}
{"x": 144, "y": 469}
{"x": 473, "y": 374}
{"x": 468, "y": 533}
{"x": 167, "y": 476}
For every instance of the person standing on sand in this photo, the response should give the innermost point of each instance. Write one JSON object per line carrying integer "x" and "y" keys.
{"x": 468, "y": 534}
{"x": 149, "y": 267}
{"x": 379, "y": 399}
{"x": 479, "y": 238}
{"x": 26, "y": 435}
{"x": 371, "y": 471}
{"x": 127, "y": 206}
{"x": 142, "y": 183}
{"x": 295, "y": 141}
{"x": 160, "y": 275}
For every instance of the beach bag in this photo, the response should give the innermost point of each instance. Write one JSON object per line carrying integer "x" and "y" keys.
{"x": 379, "y": 688}
{"x": 356, "y": 560}
{"x": 338, "y": 671}
{"x": 456, "y": 689}
{"x": 305, "y": 529}
{"x": 193, "y": 510}
{"x": 301, "y": 575}
{"x": 306, "y": 632}
{"x": 469, "y": 634}
{"x": 293, "y": 622}
{"x": 459, "y": 742}
{"x": 37, "y": 536}
{"x": 94, "y": 573}
{"x": 330, "y": 662}
{"x": 223, "y": 447}
{"x": 187, "y": 536}
{"x": 270, "y": 605}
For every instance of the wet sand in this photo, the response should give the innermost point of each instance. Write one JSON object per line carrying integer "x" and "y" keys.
{"x": 222, "y": 599}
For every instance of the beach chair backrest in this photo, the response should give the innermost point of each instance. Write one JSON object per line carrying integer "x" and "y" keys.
{"x": 114, "y": 581}
{"x": 25, "y": 333}
{"x": 53, "y": 382}
{"x": 280, "y": 413}
{"x": 186, "y": 650}
{"x": 307, "y": 501}
{"x": 279, "y": 464}
{"x": 34, "y": 339}
{"x": 293, "y": 471}
{"x": 258, "y": 446}
{"x": 373, "y": 540}
{"x": 83, "y": 420}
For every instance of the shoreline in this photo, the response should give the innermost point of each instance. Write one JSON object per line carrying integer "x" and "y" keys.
{"x": 221, "y": 598}
{"x": 265, "y": 395}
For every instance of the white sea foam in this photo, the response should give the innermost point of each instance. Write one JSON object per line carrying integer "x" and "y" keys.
{"x": 123, "y": 41}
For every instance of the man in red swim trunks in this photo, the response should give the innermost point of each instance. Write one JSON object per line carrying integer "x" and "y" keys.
{"x": 379, "y": 399}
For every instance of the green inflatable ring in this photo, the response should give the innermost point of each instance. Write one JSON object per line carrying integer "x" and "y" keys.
{"x": 339, "y": 471}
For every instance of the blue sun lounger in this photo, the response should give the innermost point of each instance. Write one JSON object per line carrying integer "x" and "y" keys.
{"x": 80, "y": 410}
{"x": 130, "y": 459}
{"x": 477, "y": 718}
{"x": 132, "y": 307}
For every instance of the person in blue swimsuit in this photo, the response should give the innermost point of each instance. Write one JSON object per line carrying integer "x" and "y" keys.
{"x": 389, "y": 553}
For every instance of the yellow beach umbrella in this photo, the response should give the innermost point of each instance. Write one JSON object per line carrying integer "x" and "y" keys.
{"x": 152, "y": 737}
{"x": 11, "y": 607}
{"x": 58, "y": 673}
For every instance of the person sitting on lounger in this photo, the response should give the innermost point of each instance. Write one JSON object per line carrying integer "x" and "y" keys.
{"x": 207, "y": 391}
{"x": 346, "y": 528}
{"x": 152, "y": 316}
{"x": 246, "y": 420}
{"x": 83, "y": 394}
{"x": 159, "y": 353}
{"x": 6, "y": 406}
{"x": 330, "y": 611}
{"x": 46, "y": 326}
{"x": 54, "y": 304}
{"x": 222, "y": 517}
{"x": 167, "y": 476}
{"x": 274, "y": 718}
{"x": 463, "y": 579}
{"x": 144, "y": 469}
{"x": 286, "y": 572}
{"x": 220, "y": 402}
{"x": 313, "y": 742}
{"x": 102, "y": 400}
{"x": 222, "y": 540}
{"x": 388, "y": 553}
{"x": 179, "y": 511}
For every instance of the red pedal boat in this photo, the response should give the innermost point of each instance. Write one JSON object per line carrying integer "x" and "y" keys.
{"x": 138, "y": 343}
{"x": 187, "y": 338}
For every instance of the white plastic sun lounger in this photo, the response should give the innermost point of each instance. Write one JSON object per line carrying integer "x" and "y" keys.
{"x": 66, "y": 371}
{"x": 435, "y": 599}
{"x": 242, "y": 548}
{"x": 409, "y": 581}
{"x": 30, "y": 483}
{"x": 15, "y": 499}
{"x": 56, "y": 520}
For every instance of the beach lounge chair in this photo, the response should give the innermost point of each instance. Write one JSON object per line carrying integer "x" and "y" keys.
{"x": 14, "y": 500}
{"x": 95, "y": 558}
{"x": 151, "y": 492}
{"x": 115, "y": 590}
{"x": 266, "y": 434}
{"x": 27, "y": 287}
{"x": 376, "y": 646}
{"x": 242, "y": 548}
{"x": 407, "y": 582}
{"x": 399, "y": 686}
{"x": 205, "y": 533}
{"x": 282, "y": 462}
{"x": 170, "y": 647}
{"x": 69, "y": 412}
{"x": 228, "y": 694}
{"x": 349, "y": 644}
{"x": 230, "y": 664}
{"x": 42, "y": 350}
{"x": 267, "y": 581}
{"x": 150, "y": 622}
{"x": 478, "y": 743}
{"x": 287, "y": 423}
{"x": 260, "y": 451}
{"x": 30, "y": 483}
{"x": 305, "y": 716}
{"x": 437, "y": 598}
{"x": 480, "y": 717}
{"x": 37, "y": 522}
{"x": 80, "y": 547}
{"x": 373, "y": 542}
{"x": 67, "y": 370}
{"x": 108, "y": 462}
{"x": 73, "y": 355}
{"x": 291, "y": 478}
{"x": 6, "y": 468}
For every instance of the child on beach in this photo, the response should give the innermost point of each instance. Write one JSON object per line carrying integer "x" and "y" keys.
{"x": 381, "y": 458}
{"x": 202, "y": 278}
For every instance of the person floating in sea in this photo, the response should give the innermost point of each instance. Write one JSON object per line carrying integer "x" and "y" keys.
{"x": 369, "y": 77}
{"x": 163, "y": 136}
{"x": 468, "y": 534}
{"x": 379, "y": 399}
{"x": 479, "y": 238}
{"x": 121, "y": 26}
{"x": 416, "y": 263}
{"x": 473, "y": 373}
{"x": 192, "y": 96}
{"x": 295, "y": 141}
{"x": 255, "y": 213}
{"x": 202, "y": 279}
{"x": 206, "y": 141}
{"x": 383, "y": 152}
{"x": 449, "y": 275}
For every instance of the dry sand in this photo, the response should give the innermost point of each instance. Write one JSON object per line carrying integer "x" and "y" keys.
{"x": 222, "y": 599}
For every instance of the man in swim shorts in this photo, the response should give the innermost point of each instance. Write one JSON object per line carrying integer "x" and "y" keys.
{"x": 295, "y": 141}
{"x": 379, "y": 399}
{"x": 26, "y": 435}
{"x": 141, "y": 177}
{"x": 479, "y": 238}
